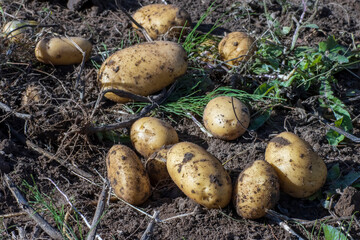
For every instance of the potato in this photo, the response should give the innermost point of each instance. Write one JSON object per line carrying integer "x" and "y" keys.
{"x": 31, "y": 95}
{"x": 62, "y": 51}
{"x": 127, "y": 175}
{"x": 301, "y": 171}
{"x": 142, "y": 69}
{"x": 199, "y": 175}
{"x": 158, "y": 19}
{"x": 220, "y": 119}
{"x": 156, "y": 167}
{"x": 15, "y": 30}
{"x": 235, "y": 45}
{"x": 256, "y": 190}
{"x": 149, "y": 134}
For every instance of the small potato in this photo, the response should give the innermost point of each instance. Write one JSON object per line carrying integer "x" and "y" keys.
{"x": 220, "y": 119}
{"x": 62, "y": 51}
{"x": 127, "y": 175}
{"x": 149, "y": 134}
{"x": 31, "y": 95}
{"x": 257, "y": 189}
{"x": 15, "y": 30}
{"x": 237, "y": 45}
{"x": 199, "y": 175}
{"x": 156, "y": 167}
{"x": 142, "y": 69}
{"x": 301, "y": 171}
{"x": 158, "y": 19}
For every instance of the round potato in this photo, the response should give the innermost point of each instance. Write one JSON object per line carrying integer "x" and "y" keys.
{"x": 142, "y": 69}
{"x": 15, "y": 30}
{"x": 149, "y": 134}
{"x": 226, "y": 117}
{"x": 199, "y": 175}
{"x": 301, "y": 171}
{"x": 62, "y": 50}
{"x": 158, "y": 19}
{"x": 156, "y": 167}
{"x": 127, "y": 175}
{"x": 256, "y": 190}
{"x": 238, "y": 46}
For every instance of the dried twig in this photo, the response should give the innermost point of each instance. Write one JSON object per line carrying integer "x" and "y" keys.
{"x": 274, "y": 216}
{"x": 150, "y": 227}
{"x": 99, "y": 211}
{"x": 49, "y": 155}
{"x": 10, "y": 215}
{"x": 7, "y": 109}
{"x": 52, "y": 232}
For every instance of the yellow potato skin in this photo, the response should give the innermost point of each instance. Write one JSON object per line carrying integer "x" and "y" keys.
{"x": 142, "y": 69}
{"x": 149, "y": 134}
{"x": 256, "y": 190}
{"x": 157, "y": 19}
{"x": 236, "y": 44}
{"x": 156, "y": 167}
{"x": 301, "y": 171}
{"x": 13, "y": 31}
{"x": 61, "y": 50}
{"x": 219, "y": 118}
{"x": 127, "y": 175}
{"x": 199, "y": 175}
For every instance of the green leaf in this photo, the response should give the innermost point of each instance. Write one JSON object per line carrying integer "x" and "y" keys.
{"x": 332, "y": 233}
{"x": 346, "y": 180}
{"x": 260, "y": 120}
{"x": 311, "y": 25}
{"x": 262, "y": 89}
{"x": 356, "y": 185}
{"x": 285, "y": 30}
{"x": 333, "y": 173}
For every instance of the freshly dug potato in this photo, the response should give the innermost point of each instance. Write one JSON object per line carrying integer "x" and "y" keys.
{"x": 301, "y": 171}
{"x": 156, "y": 167}
{"x": 235, "y": 45}
{"x": 257, "y": 189}
{"x": 199, "y": 175}
{"x": 62, "y": 51}
{"x": 15, "y": 30}
{"x": 31, "y": 95}
{"x": 127, "y": 175}
{"x": 220, "y": 119}
{"x": 142, "y": 69}
{"x": 149, "y": 134}
{"x": 158, "y": 19}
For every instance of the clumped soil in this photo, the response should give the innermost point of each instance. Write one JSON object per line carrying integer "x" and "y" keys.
{"x": 59, "y": 119}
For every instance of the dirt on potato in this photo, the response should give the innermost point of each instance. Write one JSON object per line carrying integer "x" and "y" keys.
{"x": 63, "y": 122}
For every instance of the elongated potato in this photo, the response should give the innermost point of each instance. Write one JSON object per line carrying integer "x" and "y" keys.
{"x": 226, "y": 118}
{"x": 301, "y": 171}
{"x": 257, "y": 189}
{"x": 127, "y": 175}
{"x": 199, "y": 175}
{"x": 142, "y": 69}
{"x": 62, "y": 51}
{"x": 149, "y": 134}
{"x": 238, "y": 46}
{"x": 158, "y": 19}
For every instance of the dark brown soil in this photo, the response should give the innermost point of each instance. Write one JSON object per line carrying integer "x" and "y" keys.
{"x": 59, "y": 117}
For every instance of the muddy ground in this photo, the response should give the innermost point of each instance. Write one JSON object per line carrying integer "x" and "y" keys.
{"x": 57, "y": 122}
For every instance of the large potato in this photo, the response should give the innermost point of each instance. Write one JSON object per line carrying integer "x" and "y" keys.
{"x": 199, "y": 175}
{"x": 142, "y": 69}
{"x": 301, "y": 171}
{"x": 127, "y": 175}
{"x": 62, "y": 51}
{"x": 257, "y": 189}
{"x": 237, "y": 45}
{"x": 158, "y": 19}
{"x": 15, "y": 30}
{"x": 220, "y": 119}
{"x": 149, "y": 134}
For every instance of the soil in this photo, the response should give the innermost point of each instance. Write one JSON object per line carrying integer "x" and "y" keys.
{"x": 59, "y": 118}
